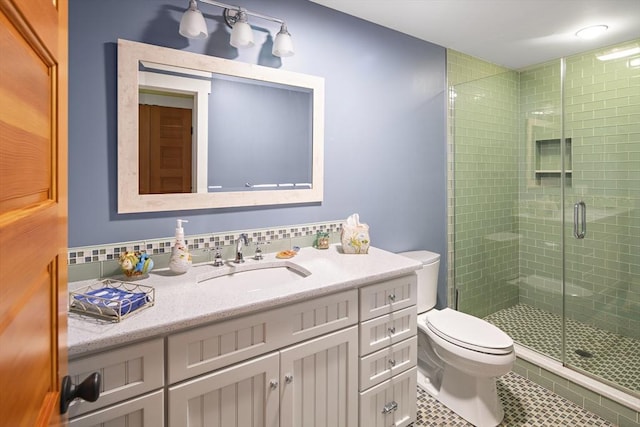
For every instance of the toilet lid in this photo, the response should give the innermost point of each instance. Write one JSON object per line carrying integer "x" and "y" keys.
{"x": 469, "y": 332}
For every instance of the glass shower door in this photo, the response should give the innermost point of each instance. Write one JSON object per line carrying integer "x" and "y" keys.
{"x": 602, "y": 217}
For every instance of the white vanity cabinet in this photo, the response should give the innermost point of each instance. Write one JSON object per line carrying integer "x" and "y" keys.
{"x": 388, "y": 352}
{"x": 338, "y": 359}
{"x": 313, "y": 382}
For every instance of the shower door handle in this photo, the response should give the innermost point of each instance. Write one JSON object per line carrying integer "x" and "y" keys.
{"x": 580, "y": 220}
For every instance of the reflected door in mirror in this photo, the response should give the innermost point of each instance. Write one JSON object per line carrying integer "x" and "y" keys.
{"x": 165, "y": 150}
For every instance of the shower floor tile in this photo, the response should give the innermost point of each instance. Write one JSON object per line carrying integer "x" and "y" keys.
{"x": 525, "y": 404}
{"x": 612, "y": 357}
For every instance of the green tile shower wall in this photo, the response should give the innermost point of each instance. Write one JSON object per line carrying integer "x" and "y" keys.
{"x": 485, "y": 127}
{"x": 603, "y": 120}
{"x": 540, "y": 198}
{"x": 496, "y": 116}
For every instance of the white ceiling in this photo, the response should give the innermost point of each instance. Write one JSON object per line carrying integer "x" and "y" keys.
{"x": 512, "y": 33}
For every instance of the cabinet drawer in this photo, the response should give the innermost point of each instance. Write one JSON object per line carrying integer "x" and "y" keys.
{"x": 126, "y": 372}
{"x": 145, "y": 411}
{"x": 383, "y": 364}
{"x": 386, "y": 330}
{"x": 391, "y": 403}
{"x": 310, "y": 319}
{"x": 385, "y": 297}
{"x": 207, "y": 348}
{"x": 214, "y": 346}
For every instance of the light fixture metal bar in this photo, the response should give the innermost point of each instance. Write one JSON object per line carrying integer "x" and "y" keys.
{"x": 242, "y": 9}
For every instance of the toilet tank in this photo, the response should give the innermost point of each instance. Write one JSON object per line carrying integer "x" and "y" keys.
{"x": 427, "y": 278}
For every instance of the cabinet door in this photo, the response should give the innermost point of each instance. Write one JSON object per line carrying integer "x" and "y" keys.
{"x": 320, "y": 381}
{"x": 146, "y": 411}
{"x": 243, "y": 395}
{"x": 391, "y": 403}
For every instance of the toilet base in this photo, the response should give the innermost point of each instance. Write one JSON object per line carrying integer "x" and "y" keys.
{"x": 425, "y": 384}
{"x": 473, "y": 398}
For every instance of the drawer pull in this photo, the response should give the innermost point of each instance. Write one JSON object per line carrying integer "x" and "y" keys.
{"x": 288, "y": 378}
{"x": 392, "y": 330}
{"x": 392, "y": 297}
{"x": 390, "y": 407}
{"x": 273, "y": 384}
{"x": 392, "y": 362}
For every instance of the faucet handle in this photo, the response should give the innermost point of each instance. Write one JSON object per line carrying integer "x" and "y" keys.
{"x": 217, "y": 258}
{"x": 258, "y": 255}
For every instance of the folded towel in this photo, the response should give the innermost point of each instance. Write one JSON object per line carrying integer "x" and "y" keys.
{"x": 115, "y": 299}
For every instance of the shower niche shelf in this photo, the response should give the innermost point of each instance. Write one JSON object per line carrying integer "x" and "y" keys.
{"x": 548, "y": 160}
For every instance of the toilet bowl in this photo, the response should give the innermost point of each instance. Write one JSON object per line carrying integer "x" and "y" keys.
{"x": 459, "y": 355}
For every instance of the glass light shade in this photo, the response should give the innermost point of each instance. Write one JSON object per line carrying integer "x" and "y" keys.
{"x": 241, "y": 35}
{"x": 282, "y": 45}
{"x": 592, "y": 32}
{"x": 192, "y": 25}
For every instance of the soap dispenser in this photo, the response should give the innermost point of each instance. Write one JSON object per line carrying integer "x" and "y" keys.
{"x": 180, "y": 260}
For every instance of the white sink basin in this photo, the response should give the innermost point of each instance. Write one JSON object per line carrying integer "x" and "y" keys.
{"x": 254, "y": 276}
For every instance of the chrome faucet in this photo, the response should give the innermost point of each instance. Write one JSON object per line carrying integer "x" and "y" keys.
{"x": 243, "y": 238}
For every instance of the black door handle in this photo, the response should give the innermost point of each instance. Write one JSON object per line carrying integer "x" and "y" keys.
{"x": 88, "y": 390}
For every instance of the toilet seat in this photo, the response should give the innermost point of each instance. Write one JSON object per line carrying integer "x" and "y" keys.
{"x": 468, "y": 332}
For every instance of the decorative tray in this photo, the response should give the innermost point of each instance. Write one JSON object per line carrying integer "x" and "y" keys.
{"x": 111, "y": 300}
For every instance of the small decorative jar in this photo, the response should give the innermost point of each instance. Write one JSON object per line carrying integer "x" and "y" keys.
{"x": 322, "y": 240}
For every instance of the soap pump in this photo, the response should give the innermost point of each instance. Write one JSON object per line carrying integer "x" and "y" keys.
{"x": 180, "y": 259}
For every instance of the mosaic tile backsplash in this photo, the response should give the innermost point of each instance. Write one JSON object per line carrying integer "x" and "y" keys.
{"x": 100, "y": 261}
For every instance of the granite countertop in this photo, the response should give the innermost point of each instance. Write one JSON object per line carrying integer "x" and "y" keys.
{"x": 182, "y": 303}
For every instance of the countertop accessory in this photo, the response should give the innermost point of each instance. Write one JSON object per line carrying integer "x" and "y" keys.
{"x": 180, "y": 260}
{"x": 322, "y": 240}
{"x": 135, "y": 264}
{"x": 111, "y": 300}
{"x": 355, "y": 236}
{"x": 286, "y": 254}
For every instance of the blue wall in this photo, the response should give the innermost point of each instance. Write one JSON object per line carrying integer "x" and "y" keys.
{"x": 385, "y": 133}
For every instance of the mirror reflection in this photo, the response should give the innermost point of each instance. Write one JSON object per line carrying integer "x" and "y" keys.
{"x": 258, "y": 135}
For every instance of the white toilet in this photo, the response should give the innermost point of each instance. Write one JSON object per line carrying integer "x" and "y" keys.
{"x": 459, "y": 356}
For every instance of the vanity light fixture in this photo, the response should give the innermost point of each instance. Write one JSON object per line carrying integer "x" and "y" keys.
{"x": 590, "y": 33}
{"x": 193, "y": 26}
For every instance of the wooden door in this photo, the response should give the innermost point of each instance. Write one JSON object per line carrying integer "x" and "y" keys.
{"x": 165, "y": 150}
{"x": 319, "y": 381}
{"x": 33, "y": 210}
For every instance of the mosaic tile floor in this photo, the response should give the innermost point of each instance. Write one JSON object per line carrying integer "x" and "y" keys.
{"x": 612, "y": 357}
{"x": 525, "y": 404}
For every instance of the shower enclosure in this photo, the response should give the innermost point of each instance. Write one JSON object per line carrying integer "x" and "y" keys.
{"x": 545, "y": 206}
